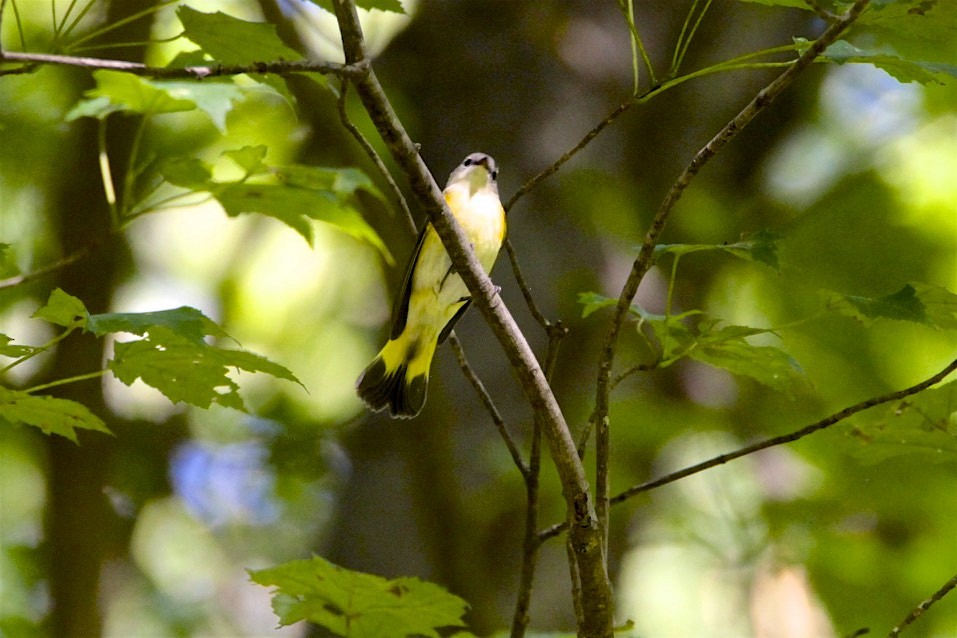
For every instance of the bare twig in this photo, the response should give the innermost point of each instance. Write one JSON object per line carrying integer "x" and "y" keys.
{"x": 51, "y": 268}
{"x": 823, "y": 13}
{"x": 530, "y": 541}
{"x": 646, "y": 256}
{"x": 584, "y": 534}
{"x": 489, "y": 405}
{"x": 772, "y": 442}
{"x": 278, "y": 67}
{"x": 918, "y": 611}
{"x": 592, "y": 134}
{"x": 526, "y": 291}
{"x": 374, "y": 156}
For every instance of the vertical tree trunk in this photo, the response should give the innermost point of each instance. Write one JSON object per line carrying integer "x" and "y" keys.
{"x": 81, "y": 528}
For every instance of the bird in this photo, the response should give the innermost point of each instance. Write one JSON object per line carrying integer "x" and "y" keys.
{"x": 433, "y": 296}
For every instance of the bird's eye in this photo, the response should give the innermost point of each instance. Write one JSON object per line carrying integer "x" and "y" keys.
{"x": 494, "y": 175}
{"x": 467, "y": 162}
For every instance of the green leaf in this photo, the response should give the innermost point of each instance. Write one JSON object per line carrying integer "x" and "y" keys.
{"x": 296, "y": 206}
{"x": 760, "y": 246}
{"x": 8, "y": 350}
{"x": 128, "y": 92}
{"x": 249, "y": 158}
{"x": 393, "y": 6}
{"x": 925, "y": 424}
{"x": 233, "y": 41}
{"x": 920, "y": 303}
{"x": 184, "y": 321}
{"x": 186, "y": 370}
{"x": 344, "y": 182}
{"x": 96, "y": 107}
{"x": 62, "y": 309}
{"x": 767, "y": 365}
{"x": 188, "y": 172}
{"x": 903, "y": 305}
{"x": 8, "y": 261}
{"x": 901, "y": 69}
{"x": 51, "y": 415}
{"x": 289, "y": 205}
{"x": 914, "y": 29}
{"x": 940, "y": 305}
{"x": 594, "y": 302}
{"x": 358, "y": 605}
{"x": 215, "y": 97}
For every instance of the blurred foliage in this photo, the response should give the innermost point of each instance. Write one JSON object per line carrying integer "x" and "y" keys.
{"x": 810, "y": 266}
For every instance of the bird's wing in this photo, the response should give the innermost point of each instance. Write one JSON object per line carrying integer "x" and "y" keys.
{"x": 400, "y": 308}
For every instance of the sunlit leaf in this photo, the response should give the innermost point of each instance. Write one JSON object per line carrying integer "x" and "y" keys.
{"x": 187, "y": 371}
{"x": 925, "y": 424}
{"x": 342, "y": 181}
{"x": 901, "y": 69}
{"x": 128, "y": 92}
{"x": 919, "y": 303}
{"x": 49, "y": 414}
{"x": 767, "y": 365}
{"x": 233, "y": 41}
{"x": 188, "y": 172}
{"x": 296, "y": 206}
{"x": 184, "y": 321}
{"x": 594, "y": 302}
{"x": 358, "y": 605}
{"x": 62, "y": 309}
{"x": 760, "y": 246}
{"x": 214, "y": 97}
{"x": 914, "y": 29}
{"x": 8, "y": 261}
{"x": 249, "y": 158}
{"x": 7, "y": 349}
{"x": 95, "y": 107}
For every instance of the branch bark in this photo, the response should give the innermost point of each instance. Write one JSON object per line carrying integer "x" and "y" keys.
{"x": 278, "y": 67}
{"x": 584, "y": 531}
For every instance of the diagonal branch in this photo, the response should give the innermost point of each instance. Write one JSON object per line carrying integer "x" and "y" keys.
{"x": 826, "y": 422}
{"x": 918, "y": 611}
{"x": 645, "y": 260}
{"x": 585, "y": 535}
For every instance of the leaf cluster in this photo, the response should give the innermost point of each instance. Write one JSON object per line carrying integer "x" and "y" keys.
{"x": 172, "y": 356}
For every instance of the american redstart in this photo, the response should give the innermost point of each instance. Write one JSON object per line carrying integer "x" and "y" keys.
{"x": 433, "y": 297}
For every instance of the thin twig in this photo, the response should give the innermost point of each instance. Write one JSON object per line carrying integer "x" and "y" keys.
{"x": 592, "y": 134}
{"x": 826, "y": 422}
{"x": 918, "y": 611}
{"x": 50, "y": 268}
{"x": 530, "y": 542}
{"x": 643, "y": 263}
{"x": 489, "y": 405}
{"x": 374, "y": 156}
{"x": 523, "y": 286}
{"x": 278, "y": 67}
{"x": 822, "y": 12}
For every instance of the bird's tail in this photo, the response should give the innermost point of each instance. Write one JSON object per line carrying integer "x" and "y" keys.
{"x": 397, "y": 378}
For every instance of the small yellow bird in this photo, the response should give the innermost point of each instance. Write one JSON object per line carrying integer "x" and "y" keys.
{"x": 433, "y": 297}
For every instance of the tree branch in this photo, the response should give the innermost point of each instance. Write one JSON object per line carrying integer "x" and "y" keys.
{"x": 918, "y": 611}
{"x": 826, "y": 422}
{"x": 645, "y": 260}
{"x": 584, "y": 535}
{"x": 279, "y": 67}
